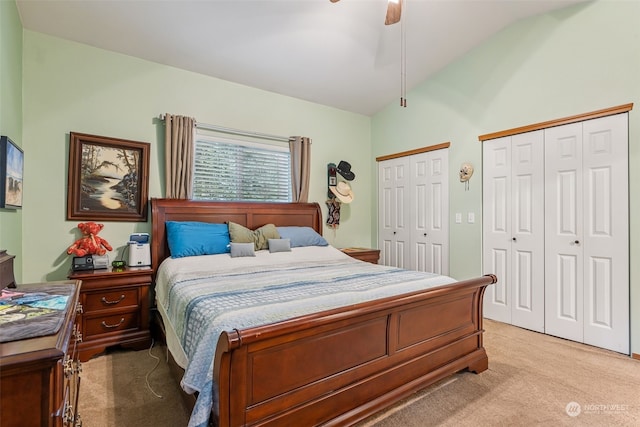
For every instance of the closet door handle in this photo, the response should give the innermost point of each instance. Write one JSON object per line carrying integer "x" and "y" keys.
{"x": 394, "y": 232}
{"x": 514, "y": 239}
{"x": 576, "y": 242}
{"x": 425, "y": 234}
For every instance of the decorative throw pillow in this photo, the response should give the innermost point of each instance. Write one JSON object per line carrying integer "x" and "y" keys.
{"x": 302, "y": 236}
{"x": 191, "y": 238}
{"x": 259, "y": 237}
{"x": 279, "y": 245}
{"x": 242, "y": 250}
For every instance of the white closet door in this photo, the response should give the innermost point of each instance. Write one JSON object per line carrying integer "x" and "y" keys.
{"x": 563, "y": 238}
{"x": 420, "y": 183}
{"x": 430, "y": 212}
{"x": 606, "y": 233}
{"x": 587, "y": 238}
{"x": 393, "y": 212}
{"x": 496, "y": 226}
{"x": 513, "y": 229}
{"x": 527, "y": 230}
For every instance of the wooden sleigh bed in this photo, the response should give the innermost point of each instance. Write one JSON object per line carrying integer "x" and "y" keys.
{"x": 334, "y": 367}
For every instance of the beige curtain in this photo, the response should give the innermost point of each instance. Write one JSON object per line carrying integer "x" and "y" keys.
{"x": 300, "y": 167}
{"x": 178, "y": 156}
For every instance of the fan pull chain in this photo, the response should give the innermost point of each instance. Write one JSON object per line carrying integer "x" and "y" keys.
{"x": 403, "y": 57}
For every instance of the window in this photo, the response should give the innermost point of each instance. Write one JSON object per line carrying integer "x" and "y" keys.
{"x": 241, "y": 170}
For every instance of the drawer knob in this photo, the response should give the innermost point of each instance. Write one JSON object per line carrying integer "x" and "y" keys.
{"x": 106, "y": 301}
{"x": 105, "y": 325}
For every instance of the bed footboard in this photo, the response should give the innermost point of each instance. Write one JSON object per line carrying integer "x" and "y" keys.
{"x": 340, "y": 366}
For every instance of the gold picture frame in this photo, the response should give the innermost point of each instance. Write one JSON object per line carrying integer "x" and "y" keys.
{"x": 108, "y": 179}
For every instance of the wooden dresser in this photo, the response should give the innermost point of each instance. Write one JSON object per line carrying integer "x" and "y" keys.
{"x": 39, "y": 377}
{"x": 115, "y": 309}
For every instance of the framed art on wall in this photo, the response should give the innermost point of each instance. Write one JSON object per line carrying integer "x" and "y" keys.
{"x": 108, "y": 178}
{"x": 11, "y": 170}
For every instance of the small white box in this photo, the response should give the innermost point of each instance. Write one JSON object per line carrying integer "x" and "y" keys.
{"x": 100, "y": 261}
{"x": 139, "y": 254}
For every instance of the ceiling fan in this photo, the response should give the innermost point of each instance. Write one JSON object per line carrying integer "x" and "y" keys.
{"x": 394, "y": 9}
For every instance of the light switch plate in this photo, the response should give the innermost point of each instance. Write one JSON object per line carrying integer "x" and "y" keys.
{"x": 458, "y": 218}
{"x": 471, "y": 218}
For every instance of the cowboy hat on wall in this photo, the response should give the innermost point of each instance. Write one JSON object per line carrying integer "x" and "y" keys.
{"x": 344, "y": 169}
{"x": 343, "y": 192}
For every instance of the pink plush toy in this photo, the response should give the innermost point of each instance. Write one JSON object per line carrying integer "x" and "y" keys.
{"x": 90, "y": 243}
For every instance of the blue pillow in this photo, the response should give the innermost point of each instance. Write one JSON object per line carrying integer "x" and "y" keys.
{"x": 302, "y": 236}
{"x": 191, "y": 238}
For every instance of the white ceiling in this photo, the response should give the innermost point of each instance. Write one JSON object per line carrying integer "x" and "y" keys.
{"x": 337, "y": 54}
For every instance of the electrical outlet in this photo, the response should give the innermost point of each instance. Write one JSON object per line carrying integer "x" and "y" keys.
{"x": 471, "y": 218}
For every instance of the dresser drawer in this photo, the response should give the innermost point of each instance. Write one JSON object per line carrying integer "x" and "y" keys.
{"x": 101, "y": 325}
{"x": 110, "y": 299}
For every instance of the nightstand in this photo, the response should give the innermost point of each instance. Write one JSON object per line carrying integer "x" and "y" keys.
{"x": 363, "y": 254}
{"x": 115, "y": 309}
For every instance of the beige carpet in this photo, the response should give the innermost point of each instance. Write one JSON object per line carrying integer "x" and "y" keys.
{"x": 532, "y": 380}
{"x": 114, "y": 391}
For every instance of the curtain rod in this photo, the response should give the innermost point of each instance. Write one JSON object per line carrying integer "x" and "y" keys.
{"x": 236, "y": 131}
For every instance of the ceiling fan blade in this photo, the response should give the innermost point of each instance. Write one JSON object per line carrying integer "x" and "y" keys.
{"x": 334, "y": 1}
{"x": 394, "y": 9}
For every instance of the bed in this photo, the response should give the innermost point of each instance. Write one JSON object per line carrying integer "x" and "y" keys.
{"x": 343, "y": 358}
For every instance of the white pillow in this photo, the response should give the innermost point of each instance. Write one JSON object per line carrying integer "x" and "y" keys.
{"x": 279, "y": 245}
{"x": 242, "y": 249}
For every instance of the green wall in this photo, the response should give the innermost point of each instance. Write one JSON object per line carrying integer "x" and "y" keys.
{"x": 71, "y": 87}
{"x": 576, "y": 60}
{"x": 572, "y": 61}
{"x": 11, "y": 119}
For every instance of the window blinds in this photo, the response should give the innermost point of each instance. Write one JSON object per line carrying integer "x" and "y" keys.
{"x": 231, "y": 170}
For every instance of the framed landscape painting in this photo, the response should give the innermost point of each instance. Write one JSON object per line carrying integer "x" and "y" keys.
{"x": 108, "y": 178}
{"x": 11, "y": 170}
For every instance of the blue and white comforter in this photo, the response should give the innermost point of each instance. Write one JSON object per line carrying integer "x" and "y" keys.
{"x": 200, "y": 297}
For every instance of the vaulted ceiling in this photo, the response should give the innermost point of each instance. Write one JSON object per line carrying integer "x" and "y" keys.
{"x": 337, "y": 54}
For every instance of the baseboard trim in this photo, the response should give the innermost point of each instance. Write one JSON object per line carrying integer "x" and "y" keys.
{"x": 635, "y": 356}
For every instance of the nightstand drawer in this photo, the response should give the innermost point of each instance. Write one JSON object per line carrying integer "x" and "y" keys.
{"x": 117, "y": 298}
{"x": 114, "y": 323}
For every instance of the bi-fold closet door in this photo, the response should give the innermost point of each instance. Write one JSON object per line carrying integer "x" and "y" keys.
{"x": 556, "y": 230}
{"x": 513, "y": 229}
{"x": 394, "y": 212}
{"x": 413, "y": 212}
{"x": 587, "y": 232}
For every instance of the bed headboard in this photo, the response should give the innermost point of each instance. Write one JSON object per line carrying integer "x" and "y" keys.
{"x": 251, "y": 215}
